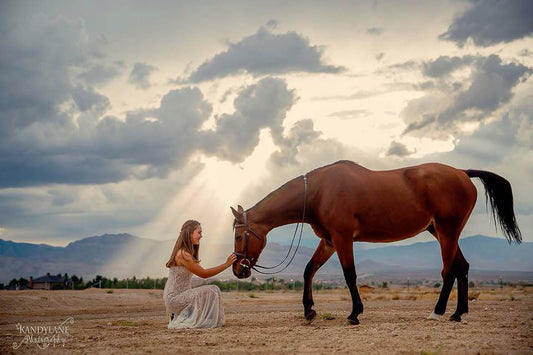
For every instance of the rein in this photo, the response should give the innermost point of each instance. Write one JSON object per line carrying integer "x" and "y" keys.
{"x": 247, "y": 262}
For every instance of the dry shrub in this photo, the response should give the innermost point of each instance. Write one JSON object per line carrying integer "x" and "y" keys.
{"x": 365, "y": 288}
{"x": 395, "y": 296}
{"x": 489, "y": 296}
{"x": 410, "y": 297}
{"x": 473, "y": 295}
{"x": 328, "y": 316}
{"x": 427, "y": 296}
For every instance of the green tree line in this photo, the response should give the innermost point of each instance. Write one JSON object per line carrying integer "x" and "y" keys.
{"x": 77, "y": 283}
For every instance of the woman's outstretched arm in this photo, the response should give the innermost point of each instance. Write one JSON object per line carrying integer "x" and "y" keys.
{"x": 195, "y": 267}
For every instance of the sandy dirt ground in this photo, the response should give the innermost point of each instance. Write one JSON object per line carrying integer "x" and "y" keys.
{"x": 394, "y": 321}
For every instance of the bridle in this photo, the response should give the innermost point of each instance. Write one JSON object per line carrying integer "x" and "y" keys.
{"x": 246, "y": 262}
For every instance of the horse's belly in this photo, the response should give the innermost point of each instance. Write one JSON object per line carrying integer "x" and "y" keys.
{"x": 385, "y": 237}
{"x": 390, "y": 228}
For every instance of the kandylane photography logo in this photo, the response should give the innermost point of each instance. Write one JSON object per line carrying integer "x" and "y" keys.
{"x": 44, "y": 336}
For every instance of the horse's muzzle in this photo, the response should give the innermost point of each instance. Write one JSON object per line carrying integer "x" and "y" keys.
{"x": 242, "y": 268}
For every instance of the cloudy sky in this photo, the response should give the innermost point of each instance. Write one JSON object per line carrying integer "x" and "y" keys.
{"x": 133, "y": 116}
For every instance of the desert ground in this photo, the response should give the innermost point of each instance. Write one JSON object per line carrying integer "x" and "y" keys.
{"x": 394, "y": 321}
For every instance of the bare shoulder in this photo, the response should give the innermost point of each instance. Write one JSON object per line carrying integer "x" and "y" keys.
{"x": 182, "y": 257}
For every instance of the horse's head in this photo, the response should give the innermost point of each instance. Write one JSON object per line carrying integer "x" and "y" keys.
{"x": 249, "y": 243}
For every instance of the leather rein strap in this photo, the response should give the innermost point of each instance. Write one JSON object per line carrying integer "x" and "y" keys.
{"x": 246, "y": 262}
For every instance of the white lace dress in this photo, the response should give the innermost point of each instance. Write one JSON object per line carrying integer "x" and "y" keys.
{"x": 199, "y": 307}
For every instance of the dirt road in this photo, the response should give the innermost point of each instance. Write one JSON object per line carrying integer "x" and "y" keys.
{"x": 394, "y": 321}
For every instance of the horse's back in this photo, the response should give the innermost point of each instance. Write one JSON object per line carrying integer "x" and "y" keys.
{"x": 392, "y": 204}
{"x": 432, "y": 177}
{"x": 429, "y": 184}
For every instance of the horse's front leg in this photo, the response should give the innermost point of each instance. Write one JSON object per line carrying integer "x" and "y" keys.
{"x": 322, "y": 253}
{"x": 344, "y": 249}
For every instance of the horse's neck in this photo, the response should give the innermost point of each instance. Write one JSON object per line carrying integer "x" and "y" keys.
{"x": 282, "y": 206}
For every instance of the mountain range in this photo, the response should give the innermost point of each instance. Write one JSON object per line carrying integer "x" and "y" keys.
{"x": 125, "y": 255}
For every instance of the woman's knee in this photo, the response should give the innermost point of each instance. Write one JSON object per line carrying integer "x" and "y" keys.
{"x": 214, "y": 289}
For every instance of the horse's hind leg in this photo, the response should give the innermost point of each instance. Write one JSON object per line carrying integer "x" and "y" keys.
{"x": 344, "y": 249}
{"x": 460, "y": 267}
{"x": 447, "y": 233}
{"x": 322, "y": 253}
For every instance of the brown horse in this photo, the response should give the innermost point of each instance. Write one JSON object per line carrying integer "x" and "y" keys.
{"x": 345, "y": 202}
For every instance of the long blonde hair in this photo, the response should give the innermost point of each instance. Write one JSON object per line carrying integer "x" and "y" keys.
{"x": 184, "y": 242}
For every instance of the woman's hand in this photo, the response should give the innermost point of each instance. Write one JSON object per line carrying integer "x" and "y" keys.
{"x": 231, "y": 259}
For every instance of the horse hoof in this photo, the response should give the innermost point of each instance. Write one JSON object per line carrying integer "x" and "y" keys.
{"x": 455, "y": 318}
{"x": 310, "y": 315}
{"x": 352, "y": 321}
{"x": 435, "y": 316}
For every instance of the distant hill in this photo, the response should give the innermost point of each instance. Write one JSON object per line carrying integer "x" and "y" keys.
{"x": 86, "y": 257}
{"x": 483, "y": 253}
{"x": 124, "y": 255}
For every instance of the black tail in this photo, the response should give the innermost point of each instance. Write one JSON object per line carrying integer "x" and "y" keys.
{"x": 498, "y": 191}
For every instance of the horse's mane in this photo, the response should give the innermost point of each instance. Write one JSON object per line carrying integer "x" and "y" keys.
{"x": 312, "y": 171}
{"x": 274, "y": 191}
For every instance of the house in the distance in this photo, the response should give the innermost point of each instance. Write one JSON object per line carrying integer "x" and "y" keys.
{"x": 49, "y": 282}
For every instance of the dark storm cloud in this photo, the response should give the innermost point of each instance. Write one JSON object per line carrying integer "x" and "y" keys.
{"x": 36, "y": 62}
{"x": 349, "y": 114}
{"x": 302, "y": 132}
{"x": 140, "y": 75}
{"x": 503, "y": 146}
{"x": 388, "y": 88}
{"x": 491, "y": 85}
{"x": 376, "y": 31}
{"x": 359, "y": 95}
{"x": 398, "y": 149}
{"x": 408, "y": 65}
{"x": 496, "y": 141}
{"x": 87, "y": 99}
{"x": 455, "y": 100}
{"x": 265, "y": 53}
{"x": 53, "y": 123}
{"x": 272, "y": 24}
{"x": 99, "y": 74}
{"x": 444, "y": 65}
{"x": 61, "y": 197}
{"x": 490, "y": 22}
{"x": 149, "y": 143}
{"x": 259, "y": 106}
{"x": 410, "y": 86}
{"x": 500, "y": 136}
{"x": 45, "y": 63}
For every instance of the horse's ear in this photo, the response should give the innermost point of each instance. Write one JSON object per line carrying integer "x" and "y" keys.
{"x": 236, "y": 214}
{"x": 240, "y": 209}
